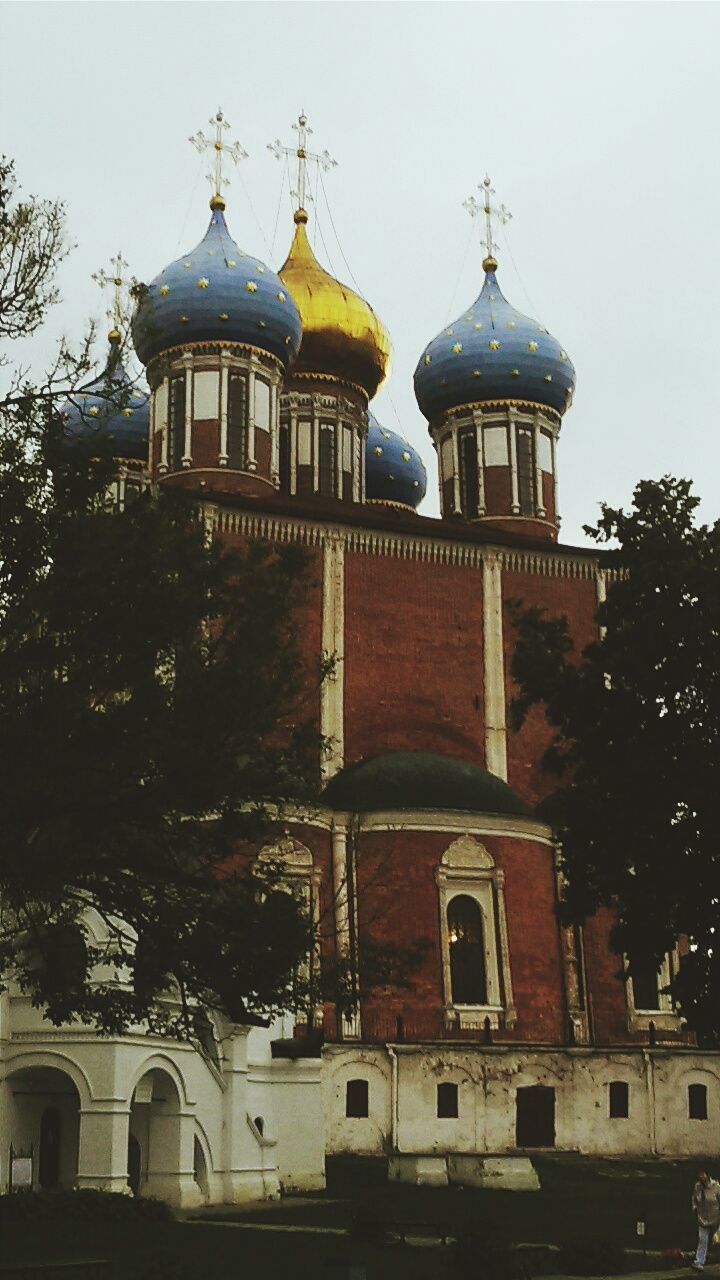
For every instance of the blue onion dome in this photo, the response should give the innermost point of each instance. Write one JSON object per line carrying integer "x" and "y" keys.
{"x": 111, "y": 408}
{"x": 217, "y": 293}
{"x": 394, "y": 471}
{"x": 493, "y": 353}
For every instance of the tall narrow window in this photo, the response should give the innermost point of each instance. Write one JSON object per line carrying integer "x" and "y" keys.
{"x": 526, "y": 471}
{"x": 284, "y": 457}
{"x": 618, "y": 1099}
{"x": 644, "y": 977}
{"x": 447, "y": 1101}
{"x": 697, "y": 1102}
{"x": 326, "y": 481}
{"x": 176, "y": 426}
{"x": 468, "y": 979}
{"x": 237, "y": 410}
{"x": 356, "y": 1098}
{"x": 469, "y": 479}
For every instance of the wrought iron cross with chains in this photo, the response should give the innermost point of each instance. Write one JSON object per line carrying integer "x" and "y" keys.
{"x": 490, "y": 211}
{"x": 117, "y": 314}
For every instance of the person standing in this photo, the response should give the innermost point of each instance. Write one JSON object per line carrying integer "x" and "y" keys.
{"x": 706, "y": 1206}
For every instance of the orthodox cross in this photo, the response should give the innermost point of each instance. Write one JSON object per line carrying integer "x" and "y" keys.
{"x": 324, "y": 159}
{"x": 117, "y": 312}
{"x": 236, "y": 153}
{"x": 490, "y": 210}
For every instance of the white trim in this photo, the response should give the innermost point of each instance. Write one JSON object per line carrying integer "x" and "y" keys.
{"x": 224, "y": 395}
{"x": 515, "y": 502}
{"x": 251, "y": 460}
{"x": 494, "y": 662}
{"x": 539, "y": 503}
{"x": 457, "y": 504}
{"x": 480, "y": 448}
{"x": 186, "y": 459}
{"x": 332, "y": 690}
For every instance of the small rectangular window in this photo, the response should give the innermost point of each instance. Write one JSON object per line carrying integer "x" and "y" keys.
{"x": 469, "y": 479}
{"x": 176, "y": 428}
{"x": 356, "y": 1099}
{"x": 236, "y": 437}
{"x": 326, "y": 481}
{"x": 645, "y": 982}
{"x": 619, "y": 1098}
{"x": 697, "y": 1102}
{"x": 447, "y": 1101}
{"x": 284, "y": 457}
{"x": 526, "y": 471}
{"x": 262, "y": 405}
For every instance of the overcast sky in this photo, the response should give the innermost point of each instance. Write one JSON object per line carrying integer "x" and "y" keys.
{"x": 597, "y": 122}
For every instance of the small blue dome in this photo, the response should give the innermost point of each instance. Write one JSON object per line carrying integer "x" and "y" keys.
{"x": 492, "y": 352}
{"x": 217, "y": 293}
{"x": 110, "y": 408}
{"x": 394, "y": 471}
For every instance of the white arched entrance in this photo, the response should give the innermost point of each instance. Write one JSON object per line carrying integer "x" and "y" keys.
{"x": 161, "y": 1155}
{"x": 40, "y": 1128}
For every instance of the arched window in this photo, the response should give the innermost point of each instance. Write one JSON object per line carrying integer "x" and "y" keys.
{"x": 697, "y": 1102}
{"x": 526, "y": 471}
{"x": 356, "y": 1098}
{"x": 447, "y": 1101}
{"x": 176, "y": 424}
{"x": 468, "y": 979}
{"x": 326, "y": 462}
{"x": 469, "y": 480}
{"x": 237, "y": 413}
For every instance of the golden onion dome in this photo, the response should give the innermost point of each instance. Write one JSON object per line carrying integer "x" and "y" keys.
{"x": 341, "y": 335}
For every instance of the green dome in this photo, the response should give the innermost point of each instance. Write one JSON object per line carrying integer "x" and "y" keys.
{"x": 421, "y": 780}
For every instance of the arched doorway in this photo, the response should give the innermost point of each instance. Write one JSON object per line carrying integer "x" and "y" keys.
{"x": 200, "y": 1170}
{"x": 155, "y": 1154}
{"x": 41, "y": 1123}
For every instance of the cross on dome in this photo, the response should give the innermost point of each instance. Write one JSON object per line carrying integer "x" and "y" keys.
{"x": 490, "y": 211}
{"x": 117, "y": 313}
{"x": 216, "y": 177}
{"x": 323, "y": 159}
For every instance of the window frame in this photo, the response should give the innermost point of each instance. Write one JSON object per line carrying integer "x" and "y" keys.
{"x": 356, "y": 1114}
{"x": 696, "y": 1089}
{"x": 449, "y": 1092}
{"x": 615, "y": 1112}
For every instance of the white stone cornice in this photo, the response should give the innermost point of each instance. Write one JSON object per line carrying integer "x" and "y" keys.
{"x": 404, "y": 546}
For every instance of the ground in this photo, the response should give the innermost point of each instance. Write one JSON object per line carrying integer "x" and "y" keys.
{"x": 580, "y": 1198}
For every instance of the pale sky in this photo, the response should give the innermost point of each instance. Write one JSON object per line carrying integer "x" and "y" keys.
{"x": 597, "y": 122}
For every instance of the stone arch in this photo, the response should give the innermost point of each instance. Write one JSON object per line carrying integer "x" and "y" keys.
{"x": 159, "y": 1123}
{"x": 161, "y": 1062}
{"x": 56, "y": 1062}
{"x": 293, "y": 854}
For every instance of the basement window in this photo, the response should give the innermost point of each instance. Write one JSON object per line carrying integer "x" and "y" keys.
{"x": 356, "y": 1099}
{"x": 447, "y": 1101}
{"x": 697, "y": 1102}
{"x": 619, "y": 1100}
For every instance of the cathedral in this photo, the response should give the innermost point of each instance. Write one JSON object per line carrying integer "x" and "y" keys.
{"x": 514, "y": 1033}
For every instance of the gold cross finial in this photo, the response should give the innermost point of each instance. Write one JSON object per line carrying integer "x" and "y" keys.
{"x": 117, "y": 313}
{"x": 323, "y": 159}
{"x": 216, "y": 177}
{"x": 490, "y": 211}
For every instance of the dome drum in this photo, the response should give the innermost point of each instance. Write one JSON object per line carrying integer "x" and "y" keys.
{"x": 322, "y": 441}
{"x": 496, "y": 463}
{"x": 215, "y": 410}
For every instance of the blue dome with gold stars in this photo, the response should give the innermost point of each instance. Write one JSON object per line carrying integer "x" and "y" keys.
{"x": 493, "y": 352}
{"x": 217, "y": 293}
{"x": 111, "y": 408}
{"x": 394, "y": 471}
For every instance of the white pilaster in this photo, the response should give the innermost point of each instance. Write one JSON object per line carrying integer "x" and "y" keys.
{"x": 477, "y": 419}
{"x": 457, "y": 506}
{"x": 275, "y": 435}
{"x": 338, "y": 458}
{"x": 515, "y": 500}
{"x": 187, "y": 448}
{"x": 165, "y": 427}
{"x": 495, "y": 724}
{"x": 293, "y": 451}
{"x": 316, "y": 449}
{"x": 251, "y": 459}
{"x": 103, "y": 1148}
{"x": 333, "y": 647}
{"x": 224, "y": 405}
{"x": 539, "y": 500}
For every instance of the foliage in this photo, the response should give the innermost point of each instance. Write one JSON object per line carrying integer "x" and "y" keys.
{"x": 636, "y": 745}
{"x": 151, "y": 718}
{"x": 44, "y": 1207}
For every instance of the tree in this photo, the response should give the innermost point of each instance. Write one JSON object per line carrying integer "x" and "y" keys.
{"x": 636, "y": 745}
{"x": 151, "y": 717}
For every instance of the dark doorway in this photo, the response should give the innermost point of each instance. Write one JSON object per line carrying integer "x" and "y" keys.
{"x": 49, "y": 1170}
{"x": 535, "y": 1122}
{"x": 134, "y": 1161}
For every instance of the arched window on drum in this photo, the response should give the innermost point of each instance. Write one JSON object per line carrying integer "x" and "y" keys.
{"x": 466, "y": 943}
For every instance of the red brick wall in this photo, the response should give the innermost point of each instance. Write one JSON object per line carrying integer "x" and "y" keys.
{"x": 577, "y": 599}
{"x": 413, "y": 658}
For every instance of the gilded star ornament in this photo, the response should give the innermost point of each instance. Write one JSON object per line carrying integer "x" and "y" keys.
{"x": 548, "y": 377}
{"x": 476, "y": 373}
{"x": 477, "y": 325}
{"x": 281, "y": 296}
{"x": 510, "y": 324}
{"x": 127, "y": 413}
{"x": 187, "y": 265}
{"x": 428, "y": 359}
{"x": 457, "y": 348}
{"x": 386, "y": 435}
{"x": 494, "y": 345}
{"x": 377, "y": 451}
{"x": 251, "y": 286}
{"x": 406, "y": 456}
{"x": 563, "y": 356}
{"x": 231, "y": 262}
{"x": 223, "y": 316}
{"x": 93, "y": 411}
{"x": 203, "y": 283}
{"x": 532, "y": 346}
{"x": 164, "y": 289}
